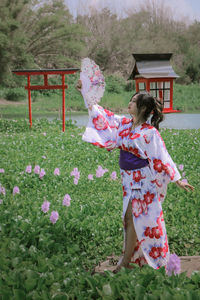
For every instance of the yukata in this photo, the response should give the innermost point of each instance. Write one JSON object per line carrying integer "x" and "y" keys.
{"x": 145, "y": 186}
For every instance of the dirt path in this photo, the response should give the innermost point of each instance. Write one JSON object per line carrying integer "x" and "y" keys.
{"x": 13, "y": 103}
{"x": 188, "y": 264}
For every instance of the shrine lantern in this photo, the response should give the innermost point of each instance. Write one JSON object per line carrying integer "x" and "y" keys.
{"x": 154, "y": 74}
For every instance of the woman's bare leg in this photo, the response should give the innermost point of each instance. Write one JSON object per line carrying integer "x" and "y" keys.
{"x": 130, "y": 238}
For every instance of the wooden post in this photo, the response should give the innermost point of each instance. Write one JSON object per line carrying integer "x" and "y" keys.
{"x": 29, "y": 99}
{"x": 63, "y": 100}
{"x": 171, "y": 93}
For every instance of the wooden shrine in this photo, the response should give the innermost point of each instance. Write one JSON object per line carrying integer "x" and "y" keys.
{"x": 153, "y": 73}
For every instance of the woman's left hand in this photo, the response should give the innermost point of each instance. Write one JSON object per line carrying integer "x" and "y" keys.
{"x": 184, "y": 185}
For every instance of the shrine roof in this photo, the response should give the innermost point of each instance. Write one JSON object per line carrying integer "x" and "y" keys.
{"x": 45, "y": 71}
{"x": 153, "y": 65}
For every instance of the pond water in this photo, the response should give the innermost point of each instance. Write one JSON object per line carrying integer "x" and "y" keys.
{"x": 173, "y": 120}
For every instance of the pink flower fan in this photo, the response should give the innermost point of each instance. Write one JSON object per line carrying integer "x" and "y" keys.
{"x": 2, "y": 171}
{"x": 173, "y": 265}
{"x": 93, "y": 83}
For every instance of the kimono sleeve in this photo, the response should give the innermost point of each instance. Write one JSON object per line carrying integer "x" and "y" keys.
{"x": 162, "y": 166}
{"x": 102, "y": 128}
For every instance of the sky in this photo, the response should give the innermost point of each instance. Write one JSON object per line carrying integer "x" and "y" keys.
{"x": 181, "y": 9}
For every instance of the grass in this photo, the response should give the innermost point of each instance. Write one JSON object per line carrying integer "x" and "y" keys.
{"x": 186, "y": 99}
{"x": 41, "y": 260}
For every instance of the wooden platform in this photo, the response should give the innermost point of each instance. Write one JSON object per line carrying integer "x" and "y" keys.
{"x": 188, "y": 264}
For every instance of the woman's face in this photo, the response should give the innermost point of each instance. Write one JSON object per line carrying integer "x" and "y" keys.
{"x": 132, "y": 106}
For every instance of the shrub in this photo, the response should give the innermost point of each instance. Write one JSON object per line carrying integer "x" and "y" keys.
{"x": 15, "y": 94}
{"x": 115, "y": 84}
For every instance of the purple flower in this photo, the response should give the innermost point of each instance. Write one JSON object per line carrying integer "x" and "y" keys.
{"x": 16, "y": 190}
{"x": 75, "y": 173}
{"x": 181, "y": 167}
{"x": 184, "y": 180}
{"x": 56, "y": 171}
{"x": 37, "y": 169}
{"x": 28, "y": 169}
{"x": 66, "y": 200}
{"x": 2, "y": 190}
{"x": 45, "y": 206}
{"x": 42, "y": 173}
{"x": 173, "y": 265}
{"x": 2, "y": 171}
{"x": 90, "y": 177}
{"x": 44, "y": 133}
{"x": 75, "y": 180}
{"x": 54, "y": 217}
{"x": 100, "y": 171}
{"x": 44, "y": 157}
{"x": 113, "y": 176}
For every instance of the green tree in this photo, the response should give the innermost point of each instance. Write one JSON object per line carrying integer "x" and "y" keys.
{"x": 54, "y": 39}
{"x": 37, "y": 34}
{"x": 13, "y": 42}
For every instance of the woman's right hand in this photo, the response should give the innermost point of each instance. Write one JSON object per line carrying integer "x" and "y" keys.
{"x": 79, "y": 85}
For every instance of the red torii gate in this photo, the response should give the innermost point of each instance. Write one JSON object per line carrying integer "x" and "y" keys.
{"x": 46, "y": 86}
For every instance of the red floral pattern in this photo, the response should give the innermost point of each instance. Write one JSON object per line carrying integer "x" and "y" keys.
{"x": 109, "y": 113}
{"x": 148, "y": 197}
{"x": 137, "y": 207}
{"x": 145, "y": 125}
{"x": 134, "y": 136}
{"x": 158, "y": 165}
{"x": 126, "y": 121}
{"x": 147, "y": 141}
{"x": 154, "y": 232}
{"x": 135, "y": 151}
{"x": 124, "y": 191}
{"x": 100, "y": 122}
{"x": 110, "y": 144}
{"x": 141, "y": 261}
{"x": 137, "y": 176}
{"x": 98, "y": 145}
{"x": 169, "y": 171}
{"x": 124, "y": 133}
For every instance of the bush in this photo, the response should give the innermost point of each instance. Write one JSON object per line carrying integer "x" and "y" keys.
{"x": 115, "y": 84}
{"x": 15, "y": 94}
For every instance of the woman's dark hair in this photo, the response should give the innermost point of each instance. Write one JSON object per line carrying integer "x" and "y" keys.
{"x": 147, "y": 104}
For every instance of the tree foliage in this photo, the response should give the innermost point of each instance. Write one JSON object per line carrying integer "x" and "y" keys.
{"x": 35, "y": 34}
{"x": 43, "y": 34}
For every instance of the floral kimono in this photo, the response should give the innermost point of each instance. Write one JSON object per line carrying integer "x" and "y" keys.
{"x": 145, "y": 187}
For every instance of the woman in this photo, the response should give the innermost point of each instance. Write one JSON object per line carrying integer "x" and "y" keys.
{"x": 146, "y": 169}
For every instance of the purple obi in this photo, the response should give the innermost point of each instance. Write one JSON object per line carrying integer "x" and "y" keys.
{"x": 128, "y": 161}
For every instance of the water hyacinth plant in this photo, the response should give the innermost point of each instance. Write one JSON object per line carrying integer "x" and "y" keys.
{"x": 54, "y": 232}
{"x": 173, "y": 265}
